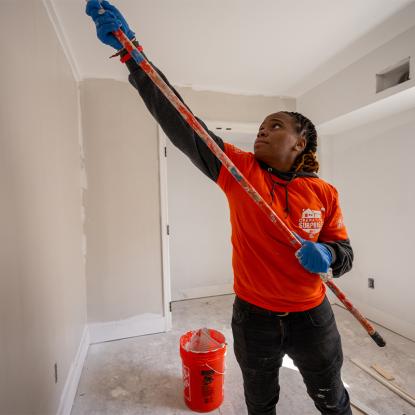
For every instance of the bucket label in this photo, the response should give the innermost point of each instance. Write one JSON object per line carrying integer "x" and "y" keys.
{"x": 207, "y": 387}
{"x": 186, "y": 382}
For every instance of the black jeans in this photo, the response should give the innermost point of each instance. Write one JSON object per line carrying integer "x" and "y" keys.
{"x": 310, "y": 338}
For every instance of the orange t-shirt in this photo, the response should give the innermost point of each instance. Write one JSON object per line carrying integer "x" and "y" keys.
{"x": 266, "y": 271}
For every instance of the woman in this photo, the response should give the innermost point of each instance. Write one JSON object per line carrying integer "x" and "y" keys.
{"x": 280, "y": 306}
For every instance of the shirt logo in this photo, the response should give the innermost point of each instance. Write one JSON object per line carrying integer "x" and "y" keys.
{"x": 311, "y": 222}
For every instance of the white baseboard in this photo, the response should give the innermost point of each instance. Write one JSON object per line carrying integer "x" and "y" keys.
{"x": 397, "y": 325}
{"x": 74, "y": 374}
{"x": 121, "y": 329}
{"x": 199, "y": 292}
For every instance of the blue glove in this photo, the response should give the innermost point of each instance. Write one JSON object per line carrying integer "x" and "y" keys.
{"x": 314, "y": 257}
{"x": 108, "y": 22}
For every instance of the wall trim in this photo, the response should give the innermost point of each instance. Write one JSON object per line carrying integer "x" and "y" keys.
{"x": 74, "y": 375}
{"x": 121, "y": 329}
{"x": 62, "y": 38}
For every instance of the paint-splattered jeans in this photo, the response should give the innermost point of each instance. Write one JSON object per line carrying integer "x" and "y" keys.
{"x": 310, "y": 338}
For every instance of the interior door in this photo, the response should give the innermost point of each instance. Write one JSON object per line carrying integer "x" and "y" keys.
{"x": 199, "y": 229}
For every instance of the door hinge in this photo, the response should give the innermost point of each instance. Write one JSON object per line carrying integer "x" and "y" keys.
{"x": 170, "y": 306}
{"x": 168, "y": 229}
{"x": 165, "y": 151}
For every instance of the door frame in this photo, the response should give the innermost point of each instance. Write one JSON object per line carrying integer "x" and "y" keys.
{"x": 165, "y": 250}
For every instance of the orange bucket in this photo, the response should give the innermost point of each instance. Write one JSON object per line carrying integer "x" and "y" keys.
{"x": 203, "y": 361}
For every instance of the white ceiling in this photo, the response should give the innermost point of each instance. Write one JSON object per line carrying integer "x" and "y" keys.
{"x": 269, "y": 47}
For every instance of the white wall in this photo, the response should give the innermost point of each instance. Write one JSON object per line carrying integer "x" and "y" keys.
{"x": 366, "y": 152}
{"x": 372, "y": 167}
{"x": 124, "y": 262}
{"x": 42, "y": 279}
{"x": 232, "y": 107}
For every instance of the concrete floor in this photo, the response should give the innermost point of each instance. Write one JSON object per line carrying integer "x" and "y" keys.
{"x": 142, "y": 375}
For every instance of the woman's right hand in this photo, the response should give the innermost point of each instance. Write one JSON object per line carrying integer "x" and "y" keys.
{"x": 108, "y": 19}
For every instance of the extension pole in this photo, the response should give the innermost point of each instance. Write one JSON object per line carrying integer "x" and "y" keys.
{"x": 238, "y": 176}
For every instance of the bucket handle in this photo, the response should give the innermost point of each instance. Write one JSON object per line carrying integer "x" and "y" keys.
{"x": 216, "y": 371}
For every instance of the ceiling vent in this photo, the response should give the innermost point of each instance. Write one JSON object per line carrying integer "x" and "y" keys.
{"x": 393, "y": 75}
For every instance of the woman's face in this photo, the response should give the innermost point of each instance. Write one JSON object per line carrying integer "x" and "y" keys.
{"x": 278, "y": 144}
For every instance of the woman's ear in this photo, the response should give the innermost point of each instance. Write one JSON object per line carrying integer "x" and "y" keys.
{"x": 301, "y": 144}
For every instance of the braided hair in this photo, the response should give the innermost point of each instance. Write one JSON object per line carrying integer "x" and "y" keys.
{"x": 307, "y": 160}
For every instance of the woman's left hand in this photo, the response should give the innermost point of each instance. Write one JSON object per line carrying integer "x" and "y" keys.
{"x": 314, "y": 257}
